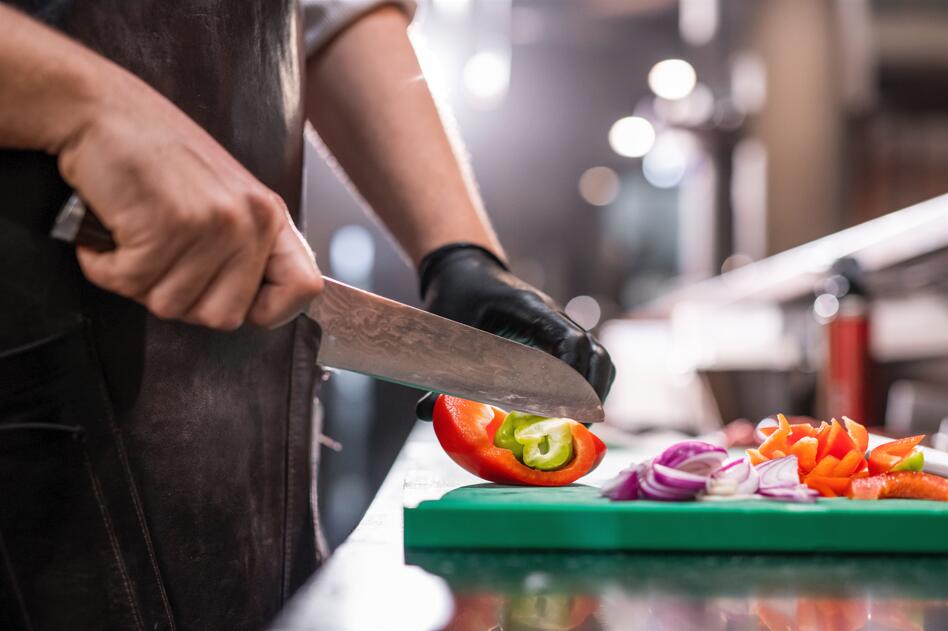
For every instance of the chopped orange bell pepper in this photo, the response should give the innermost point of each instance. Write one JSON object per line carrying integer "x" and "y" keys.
{"x": 858, "y": 433}
{"x": 836, "y": 485}
{"x": 849, "y": 464}
{"x": 756, "y": 457}
{"x": 826, "y": 466}
{"x": 805, "y": 451}
{"x": 777, "y": 441}
{"x": 799, "y": 431}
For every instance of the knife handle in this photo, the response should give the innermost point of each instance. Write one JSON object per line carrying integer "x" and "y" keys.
{"x": 76, "y": 224}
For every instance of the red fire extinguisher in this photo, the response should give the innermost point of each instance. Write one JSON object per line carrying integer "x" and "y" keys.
{"x": 848, "y": 366}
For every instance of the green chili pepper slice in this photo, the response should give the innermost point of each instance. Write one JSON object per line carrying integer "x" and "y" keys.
{"x": 538, "y": 442}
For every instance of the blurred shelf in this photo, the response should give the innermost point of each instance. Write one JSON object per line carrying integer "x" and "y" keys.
{"x": 895, "y": 239}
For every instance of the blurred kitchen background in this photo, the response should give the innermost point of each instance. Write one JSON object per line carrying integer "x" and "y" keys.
{"x": 630, "y": 152}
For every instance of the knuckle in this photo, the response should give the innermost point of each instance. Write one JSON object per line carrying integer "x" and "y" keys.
{"x": 165, "y": 306}
{"x": 599, "y": 350}
{"x": 223, "y": 216}
{"x": 185, "y": 220}
{"x": 577, "y": 340}
{"x": 263, "y": 208}
{"x": 223, "y": 321}
{"x": 125, "y": 282}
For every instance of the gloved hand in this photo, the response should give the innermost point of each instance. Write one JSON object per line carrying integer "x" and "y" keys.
{"x": 468, "y": 284}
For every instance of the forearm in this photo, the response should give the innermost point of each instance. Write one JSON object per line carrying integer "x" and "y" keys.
{"x": 366, "y": 98}
{"x": 47, "y": 84}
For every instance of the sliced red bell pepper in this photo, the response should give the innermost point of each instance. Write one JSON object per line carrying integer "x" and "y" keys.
{"x": 902, "y": 484}
{"x": 886, "y": 456}
{"x": 466, "y": 431}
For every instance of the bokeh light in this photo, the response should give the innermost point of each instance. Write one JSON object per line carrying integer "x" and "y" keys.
{"x": 666, "y": 164}
{"x": 352, "y": 254}
{"x": 599, "y": 186}
{"x": 584, "y": 310}
{"x": 486, "y": 77}
{"x": 632, "y": 136}
{"x": 825, "y": 307}
{"x": 672, "y": 79}
{"x": 691, "y": 111}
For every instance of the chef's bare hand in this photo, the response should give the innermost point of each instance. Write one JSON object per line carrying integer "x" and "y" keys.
{"x": 198, "y": 238}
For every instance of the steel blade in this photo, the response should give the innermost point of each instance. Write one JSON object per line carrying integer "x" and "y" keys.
{"x": 385, "y": 339}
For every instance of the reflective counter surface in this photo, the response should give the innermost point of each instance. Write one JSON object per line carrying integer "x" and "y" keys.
{"x": 372, "y": 583}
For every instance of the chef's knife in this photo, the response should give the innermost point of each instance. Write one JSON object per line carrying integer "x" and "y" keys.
{"x": 375, "y": 336}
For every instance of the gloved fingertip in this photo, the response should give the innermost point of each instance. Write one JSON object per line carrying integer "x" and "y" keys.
{"x": 424, "y": 410}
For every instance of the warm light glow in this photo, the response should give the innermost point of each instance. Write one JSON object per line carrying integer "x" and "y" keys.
{"x": 486, "y": 77}
{"x": 672, "y": 79}
{"x": 631, "y": 136}
{"x": 599, "y": 186}
{"x": 584, "y": 310}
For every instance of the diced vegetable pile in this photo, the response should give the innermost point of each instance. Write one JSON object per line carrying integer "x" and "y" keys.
{"x": 831, "y": 456}
{"x": 795, "y": 463}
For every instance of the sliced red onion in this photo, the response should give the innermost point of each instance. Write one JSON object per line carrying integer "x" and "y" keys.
{"x": 780, "y": 480}
{"x": 624, "y": 486}
{"x": 799, "y": 493}
{"x": 677, "y": 479}
{"x": 652, "y": 489}
{"x": 737, "y": 477}
{"x": 779, "y": 473}
{"x": 727, "y": 466}
{"x": 693, "y": 456}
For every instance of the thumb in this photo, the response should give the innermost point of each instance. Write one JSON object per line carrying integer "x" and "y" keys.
{"x": 291, "y": 280}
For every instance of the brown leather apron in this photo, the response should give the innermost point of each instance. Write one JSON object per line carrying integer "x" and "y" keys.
{"x": 154, "y": 475}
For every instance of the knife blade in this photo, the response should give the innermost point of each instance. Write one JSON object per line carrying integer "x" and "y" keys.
{"x": 369, "y": 334}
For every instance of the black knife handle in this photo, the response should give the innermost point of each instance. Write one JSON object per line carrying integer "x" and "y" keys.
{"x": 76, "y": 224}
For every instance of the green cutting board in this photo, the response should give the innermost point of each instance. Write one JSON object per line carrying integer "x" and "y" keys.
{"x": 575, "y": 517}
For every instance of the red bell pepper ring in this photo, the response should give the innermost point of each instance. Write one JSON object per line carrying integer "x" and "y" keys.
{"x": 466, "y": 431}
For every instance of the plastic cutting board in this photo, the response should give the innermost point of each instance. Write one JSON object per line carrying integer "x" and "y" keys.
{"x": 575, "y": 517}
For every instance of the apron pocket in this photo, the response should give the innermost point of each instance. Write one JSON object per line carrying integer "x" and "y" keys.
{"x": 74, "y": 551}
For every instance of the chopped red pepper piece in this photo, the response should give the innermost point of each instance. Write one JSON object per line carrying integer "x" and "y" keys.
{"x": 858, "y": 433}
{"x": 903, "y": 484}
{"x": 837, "y": 442}
{"x": 466, "y": 431}
{"x": 888, "y": 455}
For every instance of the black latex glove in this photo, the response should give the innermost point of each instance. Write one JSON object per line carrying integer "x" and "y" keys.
{"x": 468, "y": 284}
